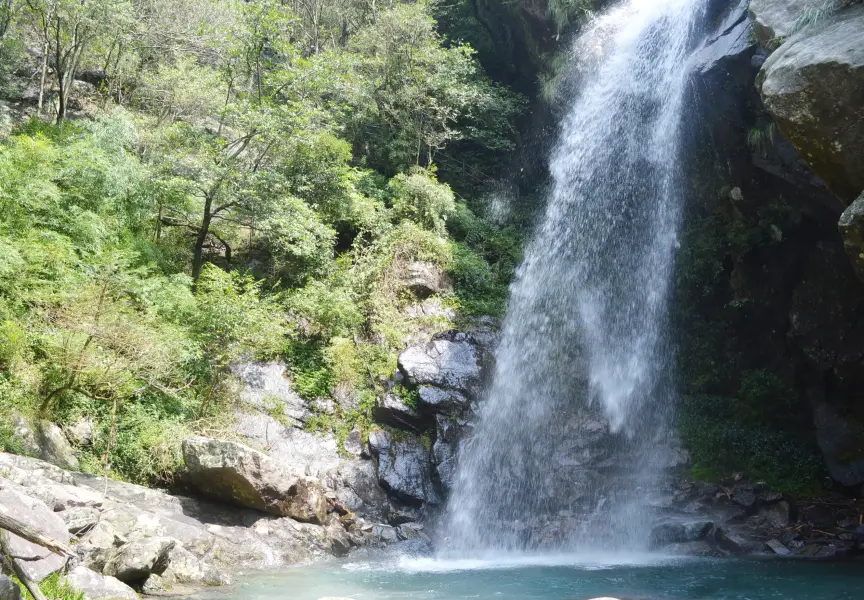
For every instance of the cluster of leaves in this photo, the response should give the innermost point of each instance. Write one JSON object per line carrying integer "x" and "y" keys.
{"x": 252, "y": 180}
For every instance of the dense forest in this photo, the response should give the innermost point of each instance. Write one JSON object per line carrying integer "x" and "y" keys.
{"x": 185, "y": 184}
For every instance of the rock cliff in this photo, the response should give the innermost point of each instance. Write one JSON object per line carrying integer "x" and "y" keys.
{"x": 768, "y": 305}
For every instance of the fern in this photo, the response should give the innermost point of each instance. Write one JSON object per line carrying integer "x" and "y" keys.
{"x": 762, "y": 139}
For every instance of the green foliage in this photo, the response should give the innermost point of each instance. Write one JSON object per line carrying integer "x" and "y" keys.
{"x": 564, "y": 12}
{"x": 311, "y": 376}
{"x": 418, "y": 197}
{"x": 243, "y": 180}
{"x": 414, "y": 94}
{"x": 411, "y": 397}
{"x": 720, "y": 445}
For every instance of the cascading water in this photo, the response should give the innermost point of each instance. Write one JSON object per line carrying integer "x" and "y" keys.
{"x": 567, "y": 445}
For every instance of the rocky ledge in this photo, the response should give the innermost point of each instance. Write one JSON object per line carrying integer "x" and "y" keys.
{"x": 745, "y": 518}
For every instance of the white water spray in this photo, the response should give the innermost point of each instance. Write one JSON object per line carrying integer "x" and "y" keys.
{"x": 564, "y": 450}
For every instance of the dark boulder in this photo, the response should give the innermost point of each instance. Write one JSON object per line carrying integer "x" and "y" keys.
{"x": 813, "y": 86}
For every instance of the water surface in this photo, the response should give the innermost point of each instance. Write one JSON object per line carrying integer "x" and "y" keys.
{"x": 556, "y": 578}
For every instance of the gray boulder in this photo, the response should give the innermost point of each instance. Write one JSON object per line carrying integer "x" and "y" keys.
{"x": 186, "y": 568}
{"x": 774, "y": 20}
{"x": 851, "y": 226}
{"x": 678, "y": 533}
{"x": 45, "y": 440}
{"x": 36, "y": 514}
{"x": 412, "y": 531}
{"x": 54, "y": 447}
{"x": 24, "y": 431}
{"x": 353, "y": 443}
{"x": 404, "y": 470}
{"x": 81, "y": 519}
{"x": 8, "y": 589}
{"x": 839, "y": 436}
{"x": 134, "y": 561}
{"x": 359, "y": 491}
{"x": 450, "y": 363}
{"x": 81, "y": 432}
{"x": 99, "y": 587}
{"x": 238, "y": 474}
{"x": 813, "y": 86}
{"x": 301, "y": 453}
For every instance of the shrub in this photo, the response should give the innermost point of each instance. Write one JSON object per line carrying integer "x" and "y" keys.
{"x": 418, "y": 197}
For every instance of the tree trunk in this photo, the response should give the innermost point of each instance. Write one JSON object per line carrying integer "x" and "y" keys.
{"x": 198, "y": 251}
{"x": 43, "y": 76}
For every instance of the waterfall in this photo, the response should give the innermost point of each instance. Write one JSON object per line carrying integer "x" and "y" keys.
{"x": 569, "y": 440}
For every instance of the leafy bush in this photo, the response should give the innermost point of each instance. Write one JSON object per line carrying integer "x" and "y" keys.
{"x": 418, "y": 197}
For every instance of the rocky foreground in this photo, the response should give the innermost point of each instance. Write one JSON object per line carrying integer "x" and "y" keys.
{"x": 275, "y": 494}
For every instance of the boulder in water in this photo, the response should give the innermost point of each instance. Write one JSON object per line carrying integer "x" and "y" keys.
{"x": 678, "y": 533}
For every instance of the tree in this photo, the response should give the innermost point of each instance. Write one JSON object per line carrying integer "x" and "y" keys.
{"x": 65, "y": 29}
{"x": 415, "y": 94}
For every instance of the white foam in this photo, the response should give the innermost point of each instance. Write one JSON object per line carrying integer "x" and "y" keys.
{"x": 589, "y": 561}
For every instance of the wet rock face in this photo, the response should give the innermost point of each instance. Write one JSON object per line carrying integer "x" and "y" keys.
{"x": 238, "y": 474}
{"x": 813, "y": 85}
{"x": 449, "y": 363}
{"x": 727, "y": 43}
{"x": 404, "y": 468}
